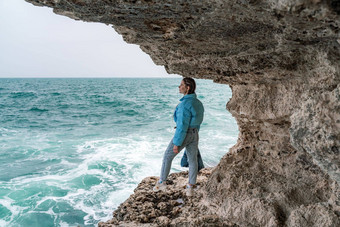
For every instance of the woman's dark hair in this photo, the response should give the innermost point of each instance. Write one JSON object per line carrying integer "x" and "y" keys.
{"x": 191, "y": 83}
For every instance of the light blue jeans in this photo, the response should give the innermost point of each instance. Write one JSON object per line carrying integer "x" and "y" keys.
{"x": 191, "y": 144}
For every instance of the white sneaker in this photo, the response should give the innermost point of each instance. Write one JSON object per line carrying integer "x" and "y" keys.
{"x": 159, "y": 186}
{"x": 189, "y": 191}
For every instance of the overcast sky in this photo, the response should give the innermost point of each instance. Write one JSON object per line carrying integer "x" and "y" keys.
{"x": 35, "y": 42}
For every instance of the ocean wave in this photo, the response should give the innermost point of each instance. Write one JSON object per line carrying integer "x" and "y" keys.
{"x": 22, "y": 94}
{"x": 55, "y": 94}
{"x": 111, "y": 103}
{"x": 36, "y": 109}
{"x": 63, "y": 106}
{"x": 7, "y": 132}
{"x": 91, "y": 190}
{"x": 114, "y": 103}
{"x": 3, "y": 130}
{"x": 9, "y": 211}
{"x": 122, "y": 121}
{"x": 128, "y": 112}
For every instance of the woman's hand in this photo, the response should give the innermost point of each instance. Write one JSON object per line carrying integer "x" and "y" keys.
{"x": 176, "y": 149}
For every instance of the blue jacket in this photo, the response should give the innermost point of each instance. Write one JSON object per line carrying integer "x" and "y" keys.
{"x": 188, "y": 114}
{"x": 185, "y": 163}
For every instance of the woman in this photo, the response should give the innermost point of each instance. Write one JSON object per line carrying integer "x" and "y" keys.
{"x": 188, "y": 117}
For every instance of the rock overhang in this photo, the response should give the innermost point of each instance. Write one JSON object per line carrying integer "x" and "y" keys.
{"x": 219, "y": 39}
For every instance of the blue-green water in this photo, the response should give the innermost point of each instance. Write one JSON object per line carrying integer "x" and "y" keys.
{"x": 71, "y": 150}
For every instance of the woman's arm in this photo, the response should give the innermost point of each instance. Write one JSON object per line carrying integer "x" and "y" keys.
{"x": 183, "y": 116}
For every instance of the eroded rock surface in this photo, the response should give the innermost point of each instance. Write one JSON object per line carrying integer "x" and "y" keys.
{"x": 282, "y": 61}
{"x": 164, "y": 208}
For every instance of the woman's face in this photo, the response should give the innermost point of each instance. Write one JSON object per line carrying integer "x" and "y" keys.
{"x": 183, "y": 89}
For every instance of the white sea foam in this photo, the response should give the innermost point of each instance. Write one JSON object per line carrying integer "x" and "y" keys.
{"x": 3, "y": 223}
{"x": 124, "y": 151}
{"x": 4, "y": 130}
{"x": 140, "y": 157}
{"x": 8, "y": 204}
{"x": 63, "y": 224}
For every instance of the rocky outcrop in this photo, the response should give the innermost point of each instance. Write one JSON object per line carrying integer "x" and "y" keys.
{"x": 164, "y": 208}
{"x": 282, "y": 61}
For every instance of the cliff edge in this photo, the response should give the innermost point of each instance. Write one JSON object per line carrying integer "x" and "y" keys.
{"x": 281, "y": 59}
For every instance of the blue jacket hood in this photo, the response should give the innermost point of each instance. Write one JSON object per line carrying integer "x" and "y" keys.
{"x": 188, "y": 96}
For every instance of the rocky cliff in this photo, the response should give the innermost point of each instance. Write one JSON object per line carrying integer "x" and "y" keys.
{"x": 282, "y": 61}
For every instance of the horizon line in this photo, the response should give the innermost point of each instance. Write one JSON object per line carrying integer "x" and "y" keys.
{"x": 87, "y": 77}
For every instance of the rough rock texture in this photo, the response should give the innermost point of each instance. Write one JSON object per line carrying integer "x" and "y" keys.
{"x": 282, "y": 61}
{"x": 171, "y": 207}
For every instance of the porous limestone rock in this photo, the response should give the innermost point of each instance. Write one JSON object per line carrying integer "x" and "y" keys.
{"x": 166, "y": 208}
{"x": 281, "y": 59}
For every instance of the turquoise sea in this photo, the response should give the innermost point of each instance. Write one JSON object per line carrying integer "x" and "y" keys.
{"x": 71, "y": 150}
